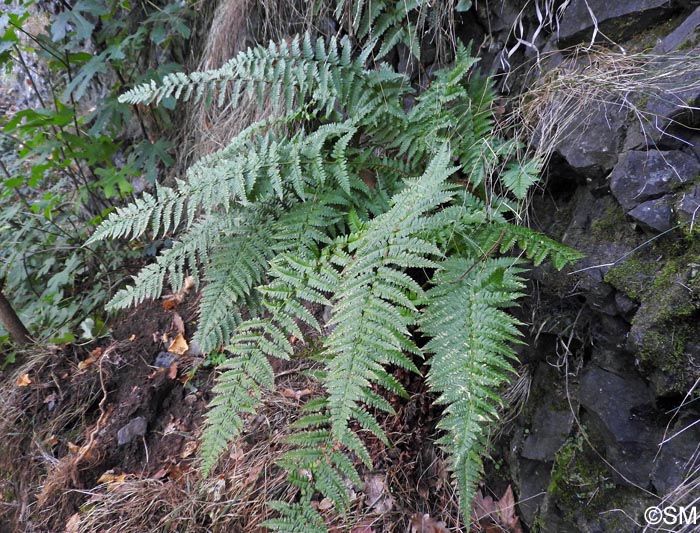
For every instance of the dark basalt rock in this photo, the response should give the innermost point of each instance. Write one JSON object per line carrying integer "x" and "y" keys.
{"x": 616, "y": 20}
{"x": 591, "y": 149}
{"x": 550, "y": 428}
{"x": 626, "y": 171}
{"x": 688, "y": 206}
{"x": 673, "y": 460}
{"x": 616, "y": 406}
{"x": 685, "y": 37}
{"x": 135, "y": 428}
{"x": 641, "y": 175}
{"x": 655, "y": 215}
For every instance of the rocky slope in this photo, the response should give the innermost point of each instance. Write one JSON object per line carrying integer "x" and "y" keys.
{"x": 613, "y": 363}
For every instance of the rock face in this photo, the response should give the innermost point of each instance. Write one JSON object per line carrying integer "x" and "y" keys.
{"x": 616, "y": 20}
{"x": 640, "y": 176}
{"x": 643, "y": 182}
{"x": 135, "y": 428}
{"x": 615, "y": 406}
{"x": 614, "y": 347}
{"x": 592, "y": 151}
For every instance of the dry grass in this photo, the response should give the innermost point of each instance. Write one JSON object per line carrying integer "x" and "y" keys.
{"x": 27, "y": 459}
{"x": 410, "y": 478}
{"x": 233, "y": 499}
{"x": 593, "y": 81}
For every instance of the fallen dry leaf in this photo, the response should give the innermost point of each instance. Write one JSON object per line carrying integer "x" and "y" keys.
{"x": 237, "y": 454}
{"x": 324, "y": 504}
{"x": 24, "y": 380}
{"x": 217, "y": 489}
{"x": 110, "y": 477}
{"x": 296, "y": 394}
{"x": 82, "y": 365}
{"x": 483, "y": 508}
{"x": 172, "y": 300}
{"x": 73, "y": 448}
{"x": 178, "y": 323}
{"x": 132, "y": 337}
{"x": 51, "y": 441}
{"x": 506, "y": 511}
{"x": 171, "y": 427}
{"x": 489, "y": 515}
{"x": 172, "y": 371}
{"x": 253, "y": 474}
{"x": 189, "y": 449}
{"x": 378, "y": 497}
{"x": 179, "y": 345}
{"x": 161, "y": 473}
{"x": 73, "y": 524}
{"x": 172, "y": 471}
{"x": 422, "y": 523}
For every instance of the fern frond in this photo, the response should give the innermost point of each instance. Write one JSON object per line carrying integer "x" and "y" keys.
{"x": 341, "y": 213}
{"x": 290, "y": 73}
{"x": 247, "y": 371}
{"x": 536, "y": 246}
{"x": 518, "y": 178}
{"x": 384, "y": 23}
{"x": 238, "y": 391}
{"x": 295, "y": 518}
{"x": 162, "y": 212}
{"x": 239, "y": 264}
{"x": 374, "y": 304}
{"x": 184, "y": 256}
{"x": 445, "y": 113}
{"x": 470, "y": 340}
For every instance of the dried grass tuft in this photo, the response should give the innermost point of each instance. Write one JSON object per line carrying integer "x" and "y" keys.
{"x": 237, "y": 25}
{"x": 589, "y": 82}
{"x": 233, "y": 499}
{"x": 32, "y": 478}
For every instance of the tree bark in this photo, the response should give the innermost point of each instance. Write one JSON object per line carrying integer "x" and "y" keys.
{"x": 12, "y": 323}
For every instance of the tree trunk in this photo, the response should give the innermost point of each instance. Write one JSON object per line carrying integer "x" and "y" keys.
{"x": 12, "y": 323}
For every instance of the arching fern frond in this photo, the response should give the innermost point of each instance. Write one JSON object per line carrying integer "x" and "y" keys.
{"x": 184, "y": 256}
{"x": 470, "y": 339}
{"x": 238, "y": 392}
{"x": 386, "y": 23}
{"x": 536, "y": 246}
{"x": 374, "y": 304}
{"x": 238, "y": 265}
{"x": 161, "y": 212}
{"x": 247, "y": 372}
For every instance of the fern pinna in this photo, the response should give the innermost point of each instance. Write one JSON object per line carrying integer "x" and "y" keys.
{"x": 276, "y": 221}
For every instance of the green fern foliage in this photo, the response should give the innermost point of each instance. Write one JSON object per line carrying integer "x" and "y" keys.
{"x": 385, "y": 23}
{"x": 470, "y": 342}
{"x": 395, "y": 220}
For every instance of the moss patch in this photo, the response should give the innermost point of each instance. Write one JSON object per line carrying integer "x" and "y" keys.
{"x": 608, "y": 227}
{"x": 632, "y": 277}
{"x": 664, "y": 277}
{"x": 580, "y": 482}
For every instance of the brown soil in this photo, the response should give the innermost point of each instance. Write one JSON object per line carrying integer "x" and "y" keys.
{"x": 61, "y": 429}
{"x": 62, "y": 469}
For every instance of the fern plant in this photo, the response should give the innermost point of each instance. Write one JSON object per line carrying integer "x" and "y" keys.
{"x": 397, "y": 220}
